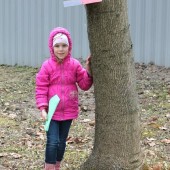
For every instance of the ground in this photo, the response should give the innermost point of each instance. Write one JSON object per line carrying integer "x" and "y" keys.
{"x": 22, "y": 137}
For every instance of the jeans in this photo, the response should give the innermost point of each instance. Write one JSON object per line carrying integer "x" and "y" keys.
{"x": 56, "y": 140}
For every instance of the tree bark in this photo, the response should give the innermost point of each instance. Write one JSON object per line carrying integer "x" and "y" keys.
{"x": 117, "y": 130}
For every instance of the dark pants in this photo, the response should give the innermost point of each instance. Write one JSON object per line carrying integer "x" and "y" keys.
{"x": 56, "y": 140}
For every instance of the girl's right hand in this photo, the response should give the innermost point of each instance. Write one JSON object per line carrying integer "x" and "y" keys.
{"x": 44, "y": 114}
{"x": 88, "y": 65}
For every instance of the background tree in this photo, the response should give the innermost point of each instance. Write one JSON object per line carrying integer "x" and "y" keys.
{"x": 117, "y": 131}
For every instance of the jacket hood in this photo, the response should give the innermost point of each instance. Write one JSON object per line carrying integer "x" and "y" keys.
{"x": 52, "y": 34}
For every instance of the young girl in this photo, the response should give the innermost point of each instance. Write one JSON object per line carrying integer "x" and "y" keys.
{"x": 60, "y": 75}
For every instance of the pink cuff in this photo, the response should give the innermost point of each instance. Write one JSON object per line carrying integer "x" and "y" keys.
{"x": 43, "y": 107}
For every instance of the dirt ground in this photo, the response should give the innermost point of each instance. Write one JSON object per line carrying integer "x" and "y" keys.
{"x": 22, "y": 137}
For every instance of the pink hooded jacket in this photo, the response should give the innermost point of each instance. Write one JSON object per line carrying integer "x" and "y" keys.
{"x": 61, "y": 79}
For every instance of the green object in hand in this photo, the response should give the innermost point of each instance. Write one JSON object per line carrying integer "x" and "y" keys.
{"x": 52, "y": 107}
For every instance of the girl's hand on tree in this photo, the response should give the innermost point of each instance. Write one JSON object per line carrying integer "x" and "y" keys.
{"x": 44, "y": 114}
{"x": 88, "y": 65}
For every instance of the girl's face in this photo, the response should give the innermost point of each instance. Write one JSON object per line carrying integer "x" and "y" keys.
{"x": 61, "y": 50}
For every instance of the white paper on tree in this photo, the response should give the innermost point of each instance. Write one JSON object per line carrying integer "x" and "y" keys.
{"x": 79, "y": 2}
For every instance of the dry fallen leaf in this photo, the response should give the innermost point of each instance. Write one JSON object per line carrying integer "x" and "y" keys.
{"x": 168, "y": 115}
{"x": 29, "y": 144}
{"x": 163, "y": 128}
{"x": 152, "y": 144}
{"x": 6, "y": 104}
{"x": 154, "y": 125}
{"x": 157, "y": 167}
{"x": 15, "y": 155}
{"x": 70, "y": 140}
{"x": 12, "y": 116}
{"x": 78, "y": 140}
{"x": 3, "y": 154}
{"x": 151, "y": 139}
{"x": 154, "y": 118}
{"x": 167, "y": 141}
{"x": 92, "y": 123}
{"x": 86, "y": 120}
{"x": 151, "y": 153}
{"x": 84, "y": 108}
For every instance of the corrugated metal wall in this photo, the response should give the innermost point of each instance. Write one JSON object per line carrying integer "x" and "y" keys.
{"x": 25, "y": 27}
{"x": 150, "y": 25}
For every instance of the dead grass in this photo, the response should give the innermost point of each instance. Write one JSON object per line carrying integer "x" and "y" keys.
{"x": 22, "y": 138}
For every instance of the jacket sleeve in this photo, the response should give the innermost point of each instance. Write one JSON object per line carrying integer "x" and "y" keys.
{"x": 41, "y": 90}
{"x": 84, "y": 80}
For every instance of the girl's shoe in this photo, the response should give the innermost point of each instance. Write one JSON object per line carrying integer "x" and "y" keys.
{"x": 57, "y": 165}
{"x": 49, "y": 166}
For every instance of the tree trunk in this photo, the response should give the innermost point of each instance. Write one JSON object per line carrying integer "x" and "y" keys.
{"x": 117, "y": 131}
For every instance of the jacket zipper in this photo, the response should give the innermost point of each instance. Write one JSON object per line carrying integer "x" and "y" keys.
{"x": 62, "y": 69}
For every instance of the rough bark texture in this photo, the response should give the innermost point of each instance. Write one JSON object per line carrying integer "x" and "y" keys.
{"x": 117, "y": 131}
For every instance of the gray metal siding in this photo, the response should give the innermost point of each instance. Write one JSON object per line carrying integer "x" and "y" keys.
{"x": 150, "y": 27}
{"x": 25, "y": 27}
